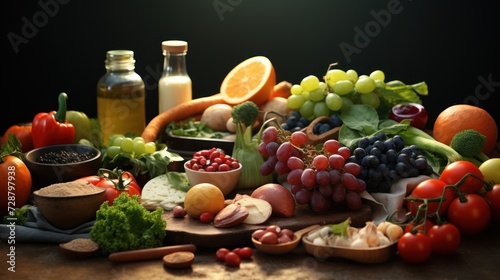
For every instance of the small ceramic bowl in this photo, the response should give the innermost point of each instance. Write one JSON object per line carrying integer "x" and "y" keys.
{"x": 225, "y": 180}
{"x": 69, "y": 211}
{"x": 369, "y": 255}
{"x": 45, "y": 174}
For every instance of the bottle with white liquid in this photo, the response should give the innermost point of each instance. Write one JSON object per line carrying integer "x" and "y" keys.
{"x": 174, "y": 86}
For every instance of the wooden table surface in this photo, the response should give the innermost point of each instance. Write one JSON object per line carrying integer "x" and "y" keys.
{"x": 477, "y": 258}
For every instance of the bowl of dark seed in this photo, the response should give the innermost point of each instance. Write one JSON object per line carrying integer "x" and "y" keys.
{"x": 62, "y": 163}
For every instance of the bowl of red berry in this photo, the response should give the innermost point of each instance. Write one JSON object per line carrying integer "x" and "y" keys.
{"x": 213, "y": 166}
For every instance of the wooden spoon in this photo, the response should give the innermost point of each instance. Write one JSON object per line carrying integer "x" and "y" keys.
{"x": 283, "y": 248}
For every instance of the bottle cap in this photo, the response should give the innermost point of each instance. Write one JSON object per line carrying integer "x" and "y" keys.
{"x": 174, "y": 46}
{"x": 120, "y": 59}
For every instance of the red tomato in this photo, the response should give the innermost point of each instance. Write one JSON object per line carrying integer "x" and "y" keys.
{"x": 414, "y": 248}
{"x": 455, "y": 171}
{"x": 23, "y": 134}
{"x": 471, "y": 216}
{"x": 245, "y": 252}
{"x": 232, "y": 259}
{"x": 220, "y": 254}
{"x": 431, "y": 188}
{"x": 113, "y": 187}
{"x": 445, "y": 238}
{"x": 15, "y": 188}
{"x": 422, "y": 227}
{"x": 493, "y": 197}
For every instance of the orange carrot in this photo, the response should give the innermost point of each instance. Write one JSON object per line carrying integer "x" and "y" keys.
{"x": 177, "y": 113}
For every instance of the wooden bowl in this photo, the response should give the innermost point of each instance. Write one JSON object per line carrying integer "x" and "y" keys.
{"x": 278, "y": 249}
{"x": 67, "y": 212}
{"x": 370, "y": 255}
{"x": 315, "y": 139}
{"x": 45, "y": 174}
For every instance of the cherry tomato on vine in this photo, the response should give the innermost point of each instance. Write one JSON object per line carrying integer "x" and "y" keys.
{"x": 455, "y": 171}
{"x": 471, "y": 216}
{"x": 415, "y": 248}
{"x": 421, "y": 227}
{"x": 445, "y": 238}
{"x": 493, "y": 198}
{"x": 431, "y": 188}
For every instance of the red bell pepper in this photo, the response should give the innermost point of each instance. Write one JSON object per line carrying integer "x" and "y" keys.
{"x": 52, "y": 128}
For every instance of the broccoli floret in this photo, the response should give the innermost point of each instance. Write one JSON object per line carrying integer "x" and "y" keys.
{"x": 469, "y": 143}
{"x": 245, "y": 113}
{"x": 127, "y": 225}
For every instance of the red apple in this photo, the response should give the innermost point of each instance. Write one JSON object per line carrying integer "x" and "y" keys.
{"x": 280, "y": 198}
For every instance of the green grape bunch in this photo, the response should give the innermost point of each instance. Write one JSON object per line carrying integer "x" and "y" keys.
{"x": 340, "y": 89}
{"x": 135, "y": 147}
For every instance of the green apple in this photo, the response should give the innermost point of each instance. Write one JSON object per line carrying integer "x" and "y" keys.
{"x": 491, "y": 170}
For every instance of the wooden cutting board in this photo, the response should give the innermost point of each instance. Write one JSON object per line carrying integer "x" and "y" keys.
{"x": 191, "y": 231}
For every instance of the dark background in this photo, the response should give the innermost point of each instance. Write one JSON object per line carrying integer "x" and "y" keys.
{"x": 451, "y": 45}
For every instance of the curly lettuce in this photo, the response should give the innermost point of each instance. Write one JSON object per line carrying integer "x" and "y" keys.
{"x": 127, "y": 225}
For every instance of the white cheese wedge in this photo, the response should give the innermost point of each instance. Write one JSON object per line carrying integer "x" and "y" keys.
{"x": 160, "y": 192}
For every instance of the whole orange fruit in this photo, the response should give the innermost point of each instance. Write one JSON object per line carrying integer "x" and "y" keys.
{"x": 203, "y": 197}
{"x": 463, "y": 116}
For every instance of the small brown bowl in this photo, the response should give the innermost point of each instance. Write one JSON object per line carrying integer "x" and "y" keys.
{"x": 369, "y": 255}
{"x": 278, "y": 249}
{"x": 70, "y": 211}
{"x": 45, "y": 174}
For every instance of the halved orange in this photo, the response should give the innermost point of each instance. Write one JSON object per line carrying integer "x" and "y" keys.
{"x": 251, "y": 80}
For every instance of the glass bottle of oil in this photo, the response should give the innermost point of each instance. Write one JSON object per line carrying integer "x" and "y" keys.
{"x": 120, "y": 96}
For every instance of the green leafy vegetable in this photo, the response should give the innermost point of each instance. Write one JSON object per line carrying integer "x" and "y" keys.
{"x": 438, "y": 154}
{"x": 21, "y": 215}
{"x": 152, "y": 164}
{"x": 126, "y": 225}
{"x": 192, "y": 128}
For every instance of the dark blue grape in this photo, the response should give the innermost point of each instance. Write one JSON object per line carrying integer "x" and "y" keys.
{"x": 391, "y": 155}
{"x": 359, "y": 153}
{"x": 373, "y": 161}
{"x": 304, "y": 120}
{"x": 398, "y": 141}
{"x": 296, "y": 114}
{"x": 404, "y": 158}
{"x": 292, "y": 121}
{"x": 363, "y": 142}
{"x": 421, "y": 163}
{"x": 406, "y": 151}
{"x": 325, "y": 127}
{"x": 335, "y": 120}
{"x": 364, "y": 161}
{"x": 379, "y": 145}
{"x": 389, "y": 144}
{"x": 375, "y": 152}
{"x": 403, "y": 169}
{"x": 415, "y": 149}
